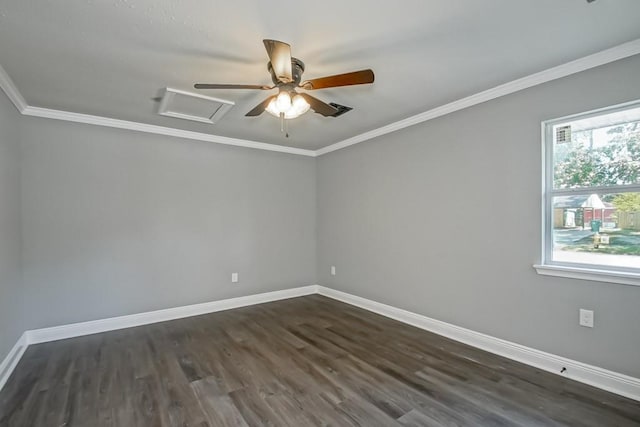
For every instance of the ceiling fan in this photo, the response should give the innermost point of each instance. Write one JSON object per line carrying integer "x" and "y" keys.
{"x": 286, "y": 74}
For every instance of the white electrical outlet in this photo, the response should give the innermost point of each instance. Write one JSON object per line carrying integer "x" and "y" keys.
{"x": 333, "y": 270}
{"x": 586, "y": 318}
{"x": 234, "y": 277}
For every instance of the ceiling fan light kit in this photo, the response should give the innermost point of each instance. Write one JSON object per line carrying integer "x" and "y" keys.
{"x": 286, "y": 74}
{"x": 288, "y": 106}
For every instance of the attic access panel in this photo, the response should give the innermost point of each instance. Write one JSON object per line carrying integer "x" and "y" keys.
{"x": 193, "y": 106}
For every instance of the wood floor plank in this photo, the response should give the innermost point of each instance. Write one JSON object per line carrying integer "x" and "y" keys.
{"x": 308, "y": 361}
{"x": 415, "y": 418}
{"x": 217, "y": 404}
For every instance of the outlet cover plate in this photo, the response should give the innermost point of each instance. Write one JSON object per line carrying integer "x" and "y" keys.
{"x": 586, "y": 318}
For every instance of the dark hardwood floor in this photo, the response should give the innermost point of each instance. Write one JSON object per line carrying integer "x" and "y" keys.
{"x": 300, "y": 362}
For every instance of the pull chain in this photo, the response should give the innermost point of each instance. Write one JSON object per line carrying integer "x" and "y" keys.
{"x": 284, "y": 126}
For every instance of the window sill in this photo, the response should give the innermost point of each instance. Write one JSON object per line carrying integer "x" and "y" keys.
{"x": 619, "y": 277}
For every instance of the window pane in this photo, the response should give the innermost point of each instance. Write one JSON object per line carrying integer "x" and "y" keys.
{"x": 601, "y": 229}
{"x": 597, "y": 151}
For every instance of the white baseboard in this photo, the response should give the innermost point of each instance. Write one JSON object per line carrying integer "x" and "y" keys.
{"x": 9, "y": 363}
{"x": 55, "y": 333}
{"x": 103, "y": 325}
{"x": 614, "y": 382}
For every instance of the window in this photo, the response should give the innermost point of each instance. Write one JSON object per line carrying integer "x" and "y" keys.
{"x": 592, "y": 196}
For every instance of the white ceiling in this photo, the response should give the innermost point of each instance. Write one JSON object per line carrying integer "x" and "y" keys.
{"x": 112, "y": 58}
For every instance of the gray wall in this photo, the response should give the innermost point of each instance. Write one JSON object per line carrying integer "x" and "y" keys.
{"x": 443, "y": 219}
{"x": 118, "y": 222}
{"x": 10, "y": 298}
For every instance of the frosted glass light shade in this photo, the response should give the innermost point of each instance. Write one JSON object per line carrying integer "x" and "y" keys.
{"x": 291, "y": 108}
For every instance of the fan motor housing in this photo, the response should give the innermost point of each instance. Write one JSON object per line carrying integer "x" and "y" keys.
{"x": 297, "y": 68}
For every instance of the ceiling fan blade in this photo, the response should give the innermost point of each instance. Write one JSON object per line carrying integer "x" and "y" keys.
{"x": 259, "y": 109}
{"x": 229, "y": 86}
{"x": 355, "y": 78}
{"x": 280, "y": 57}
{"x": 318, "y": 106}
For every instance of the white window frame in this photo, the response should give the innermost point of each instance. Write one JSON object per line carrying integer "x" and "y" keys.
{"x": 549, "y": 267}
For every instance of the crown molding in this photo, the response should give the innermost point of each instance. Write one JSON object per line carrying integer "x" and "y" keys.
{"x": 7, "y": 85}
{"x": 159, "y": 130}
{"x": 613, "y": 54}
{"x": 616, "y": 53}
